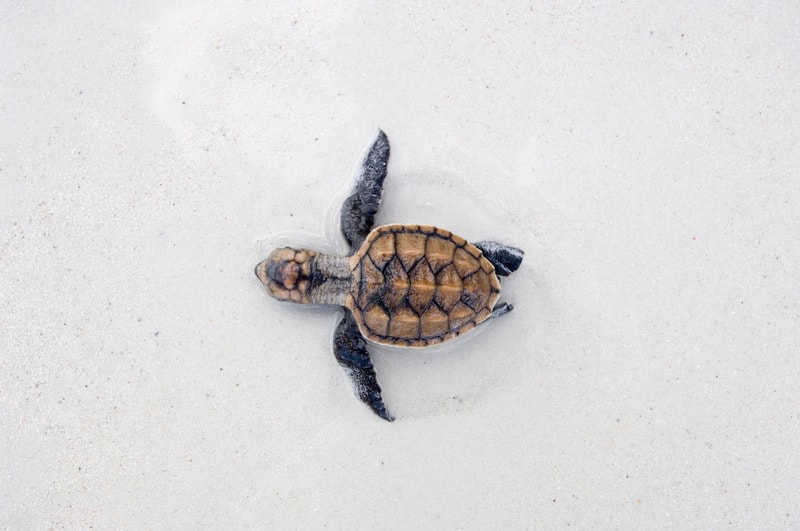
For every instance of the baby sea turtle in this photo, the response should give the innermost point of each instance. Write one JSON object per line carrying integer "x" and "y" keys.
{"x": 404, "y": 285}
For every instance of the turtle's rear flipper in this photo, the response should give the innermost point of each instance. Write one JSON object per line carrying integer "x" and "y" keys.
{"x": 358, "y": 210}
{"x": 351, "y": 352}
{"x": 504, "y": 258}
{"x": 501, "y": 309}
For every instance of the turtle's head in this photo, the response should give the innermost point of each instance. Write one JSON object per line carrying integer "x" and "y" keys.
{"x": 286, "y": 274}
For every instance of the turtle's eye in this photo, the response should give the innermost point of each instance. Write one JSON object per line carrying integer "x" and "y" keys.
{"x": 273, "y": 272}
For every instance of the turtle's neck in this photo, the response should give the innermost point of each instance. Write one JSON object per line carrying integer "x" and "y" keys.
{"x": 331, "y": 279}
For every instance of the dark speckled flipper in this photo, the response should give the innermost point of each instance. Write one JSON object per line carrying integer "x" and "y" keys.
{"x": 504, "y": 258}
{"x": 351, "y": 352}
{"x": 358, "y": 210}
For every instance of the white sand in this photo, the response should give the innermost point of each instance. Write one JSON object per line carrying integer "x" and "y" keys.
{"x": 646, "y": 159}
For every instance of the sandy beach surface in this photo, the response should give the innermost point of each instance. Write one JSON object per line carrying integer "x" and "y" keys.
{"x": 645, "y": 157}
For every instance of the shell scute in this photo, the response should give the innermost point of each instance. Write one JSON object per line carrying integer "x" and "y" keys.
{"x": 410, "y": 248}
{"x": 465, "y": 263}
{"x": 371, "y": 279}
{"x": 483, "y": 315}
{"x": 404, "y": 324}
{"x": 476, "y": 291}
{"x": 460, "y": 315}
{"x": 439, "y": 252}
{"x": 382, "y": 250}
{"x": 433, "y": 322}
{"x": 419, "y": 285}
{"x": 377, "y": 320}
{"x": 397, "y": 284}
{"x": 448, "y": 287}
{"x": 423, "y": 286}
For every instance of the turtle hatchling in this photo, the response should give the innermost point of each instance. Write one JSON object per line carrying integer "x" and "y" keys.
{"x": 403, "y": 285}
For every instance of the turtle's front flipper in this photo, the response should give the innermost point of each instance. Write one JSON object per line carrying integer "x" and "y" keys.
{"x": 358, "y": 210}
{"x": 351, "y": 352}
{"x": 504, "y": 258}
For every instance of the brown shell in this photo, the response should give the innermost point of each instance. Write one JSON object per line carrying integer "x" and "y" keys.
{"x": 416, "y": 285}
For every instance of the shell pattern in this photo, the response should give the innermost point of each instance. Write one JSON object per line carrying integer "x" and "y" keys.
{"x": 419, "y": 285}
